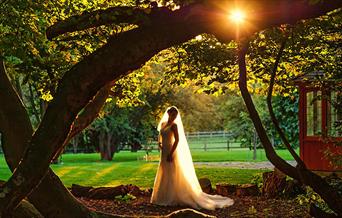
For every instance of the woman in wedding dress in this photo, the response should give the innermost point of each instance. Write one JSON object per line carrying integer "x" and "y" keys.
{"x": 176, "y": 182}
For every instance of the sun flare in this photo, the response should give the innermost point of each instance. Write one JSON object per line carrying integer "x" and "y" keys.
{"x": 237, "y": 16}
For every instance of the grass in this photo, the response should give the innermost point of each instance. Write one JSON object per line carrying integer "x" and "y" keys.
{"x": 235, "y": 155}
{"x": 140, "y": 173}
{"x": 87, "y": 169}
{"x": 212, "y": 143}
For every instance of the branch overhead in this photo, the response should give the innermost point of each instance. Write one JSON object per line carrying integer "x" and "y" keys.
{"x": 114, "y": 15}
{"x": 261, "y": 14}
{"x": 127, "y": 52}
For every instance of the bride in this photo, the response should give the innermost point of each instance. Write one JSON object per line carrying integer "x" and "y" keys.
{"x": 176, "y": 182}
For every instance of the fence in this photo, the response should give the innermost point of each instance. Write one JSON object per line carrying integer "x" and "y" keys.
{"x": 206, "y": 141}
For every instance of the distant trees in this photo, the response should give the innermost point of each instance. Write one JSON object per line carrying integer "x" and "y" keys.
{"x": 129, "y": 127}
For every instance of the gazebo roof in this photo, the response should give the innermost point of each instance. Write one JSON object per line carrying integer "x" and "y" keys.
{"x": 311, "y": 76}
{"x": 316, "y": 76}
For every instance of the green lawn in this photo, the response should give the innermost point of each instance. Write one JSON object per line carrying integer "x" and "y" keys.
{"x": 235, "y": 155}
{"x": 213, "y": 143}
{"x": 87, "y": 169}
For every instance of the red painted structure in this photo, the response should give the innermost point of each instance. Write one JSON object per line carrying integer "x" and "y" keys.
{"x": 317, "y": 133}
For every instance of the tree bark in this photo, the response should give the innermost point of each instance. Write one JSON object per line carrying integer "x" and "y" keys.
{"x": 262, "y": 14}
{"x": 270, "y": 107}
{"x": 106, "y": 192}
{"x": 270, "y": 153}
{"x": 33, "y": 104}
{"x": 88, "y": 114}
{"x": 51, "y": 198}
{"x": 132, "y": 15}
{"x": 273, "y": 184}
{"x": 91, "y": 111}
{"x": 102, "y": 146}
{"x": 319, "y": 185}
{"x": 76, "y": 89}
{"x": 254, "y": 141}
{"x": 99, "y": 193}
{"x": 25, "y": 209}
{"x": 109, "y": 146}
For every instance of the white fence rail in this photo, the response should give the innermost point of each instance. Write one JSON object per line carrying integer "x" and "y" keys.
{"x": 206, "y": 141}
{"x": 212, "y": 134}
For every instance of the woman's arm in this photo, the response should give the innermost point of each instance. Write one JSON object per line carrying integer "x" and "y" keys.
{"x": 160, "y": 141}
{"x": 160, "y": 137}
{"x": 174, "y": 146}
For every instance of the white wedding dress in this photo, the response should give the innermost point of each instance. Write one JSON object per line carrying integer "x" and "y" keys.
{"x": 176, "y": 182}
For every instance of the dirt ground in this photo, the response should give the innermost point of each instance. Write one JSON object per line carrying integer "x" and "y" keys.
{"x": 243, "y": 207}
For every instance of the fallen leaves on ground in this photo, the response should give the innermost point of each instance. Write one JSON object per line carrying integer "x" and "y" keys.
{"x": 243, "y": 207}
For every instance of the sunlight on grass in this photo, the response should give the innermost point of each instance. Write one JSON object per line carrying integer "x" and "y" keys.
{"x": 106, "y": 172}
{"x": 130, "y": 168}
{"x": 145, "y": 168}
{"x": 65, "y": 171}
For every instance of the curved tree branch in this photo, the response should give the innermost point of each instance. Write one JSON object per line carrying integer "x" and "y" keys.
{"x": 270, "y": 152}
{"x": 262, "y": 14}
{"x": 12, "y": 110}
{"x": 77, "y": 88}
{"x": 114, "y": 15}
{"x": 319, "y": 185}
{"x": 51, "y": 198}
{"x": 88, "y": 114}
{"x": 90, "y": 111}
{"x": 270, "y": 107}
{"x": 33, "y": 104}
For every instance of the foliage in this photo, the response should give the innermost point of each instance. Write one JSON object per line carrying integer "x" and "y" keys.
{"x": 312, "y": 197}
{"x": 35, "y": 65}
{"x": 126, "y": 198}
{"x": 204, "y": 60}
{"x": 286, "y": 111}
{"x": 204, "y": 63}
{"x": 39, "y": 63}
{"x": 236, "y": 118}
{"x": 257, "y": 179}
{"x": 128, "y": 126}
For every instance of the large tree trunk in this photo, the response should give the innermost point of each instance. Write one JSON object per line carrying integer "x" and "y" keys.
{"x": 319, "y": 185}
{"x": 124, "y": 53}
{"x": 25, "y": 209}
{"x": 270, "y": 107}
{"x": 88, "y": 114}
{"x": 314, "y": 211}
{"x": 51, "y": 198}
{"x": 75, "y": 142}
{"x": 33, "y": 104}
{"x": 108, "y": 146}
{"x": 77, "y": 88}
{"x": 105, "y": 146}
{"x": 102, "y": 146}
{"x": 254, "y": 141}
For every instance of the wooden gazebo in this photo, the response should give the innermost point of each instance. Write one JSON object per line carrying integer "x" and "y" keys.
{"x": 318, "y": 116}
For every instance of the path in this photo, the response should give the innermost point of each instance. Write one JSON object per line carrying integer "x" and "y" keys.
{"x": 242, "y": 165}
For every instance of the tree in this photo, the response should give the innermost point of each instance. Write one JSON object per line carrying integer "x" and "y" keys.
{"x": 300, "y": 172}
{"x": 158, "y": 28}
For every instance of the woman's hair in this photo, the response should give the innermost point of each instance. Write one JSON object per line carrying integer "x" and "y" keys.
{"x": 172, "y": 109}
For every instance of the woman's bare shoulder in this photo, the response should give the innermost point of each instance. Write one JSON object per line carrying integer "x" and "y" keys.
{"x": 174, "y": 126}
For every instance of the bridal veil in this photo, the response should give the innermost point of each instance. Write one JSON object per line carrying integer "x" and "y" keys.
{"x": 185, "y": 185}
